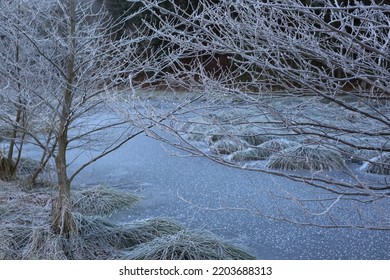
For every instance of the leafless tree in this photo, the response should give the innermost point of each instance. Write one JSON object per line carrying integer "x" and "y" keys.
{"x": 70, "y": 61}
{"x": 311, "y": 77}
{"x": 14, "y": 104}
{"x": 314, "y": 79}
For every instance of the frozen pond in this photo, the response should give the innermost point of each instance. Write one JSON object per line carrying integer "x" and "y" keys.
{"x": 144, "y": 166}
{"x": 202, "y": 194}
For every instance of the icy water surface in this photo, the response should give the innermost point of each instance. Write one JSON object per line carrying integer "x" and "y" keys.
{"x": 202, "y": 194}
{"x": 144, "y": 167}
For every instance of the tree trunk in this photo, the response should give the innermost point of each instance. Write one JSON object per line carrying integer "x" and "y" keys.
{"x": 62, "y": 219}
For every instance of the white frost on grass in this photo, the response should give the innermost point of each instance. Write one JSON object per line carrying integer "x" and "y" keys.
{"x": 262, "y": 151}
{"x": 309, "y": 157}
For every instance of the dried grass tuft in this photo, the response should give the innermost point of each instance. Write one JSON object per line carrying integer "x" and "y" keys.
{"x": 122, "y": 236}
{"x": 263, "y": 151}
{"x": 26, "y": 233}
{"x": 254, "y": 137}
{"x": 102, "y": 200}
{"x": 25, "y": 230}
{"x": 145, "y": 230}
{"x": 247, "y": 155}
{"x": 24, "y": 218}
{"x": 197, "y": 129}
{"x": 226, "y": 146}
{"x": 187, "y": 245}
{"x": 309, "y": 157}
{"x": 270, "y": 147}
{"x": 95, "y": 238}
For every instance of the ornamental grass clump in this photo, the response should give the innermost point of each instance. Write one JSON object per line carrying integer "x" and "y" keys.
{"x": 187, "y": 245}
{"x": 102, "y": 200}
{"x": 309, "y": 157}
{"x": 226, "y": 146}
{"x": 253, "y": 136}
{"x": 94, "y": 238}
{"x": 262, "y": 151}
{"x": 272, "y": 146}
{"x": 139, "y": 232}
{"x": 26, "y": 232}
{"x": 197, "y": 129}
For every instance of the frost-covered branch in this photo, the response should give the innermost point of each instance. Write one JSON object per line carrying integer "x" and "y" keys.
{"x": 290, "y": 89}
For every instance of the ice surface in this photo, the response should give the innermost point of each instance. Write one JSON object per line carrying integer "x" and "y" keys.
{"x": 145, "y": 167}
{"x": 202, "y": 194}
